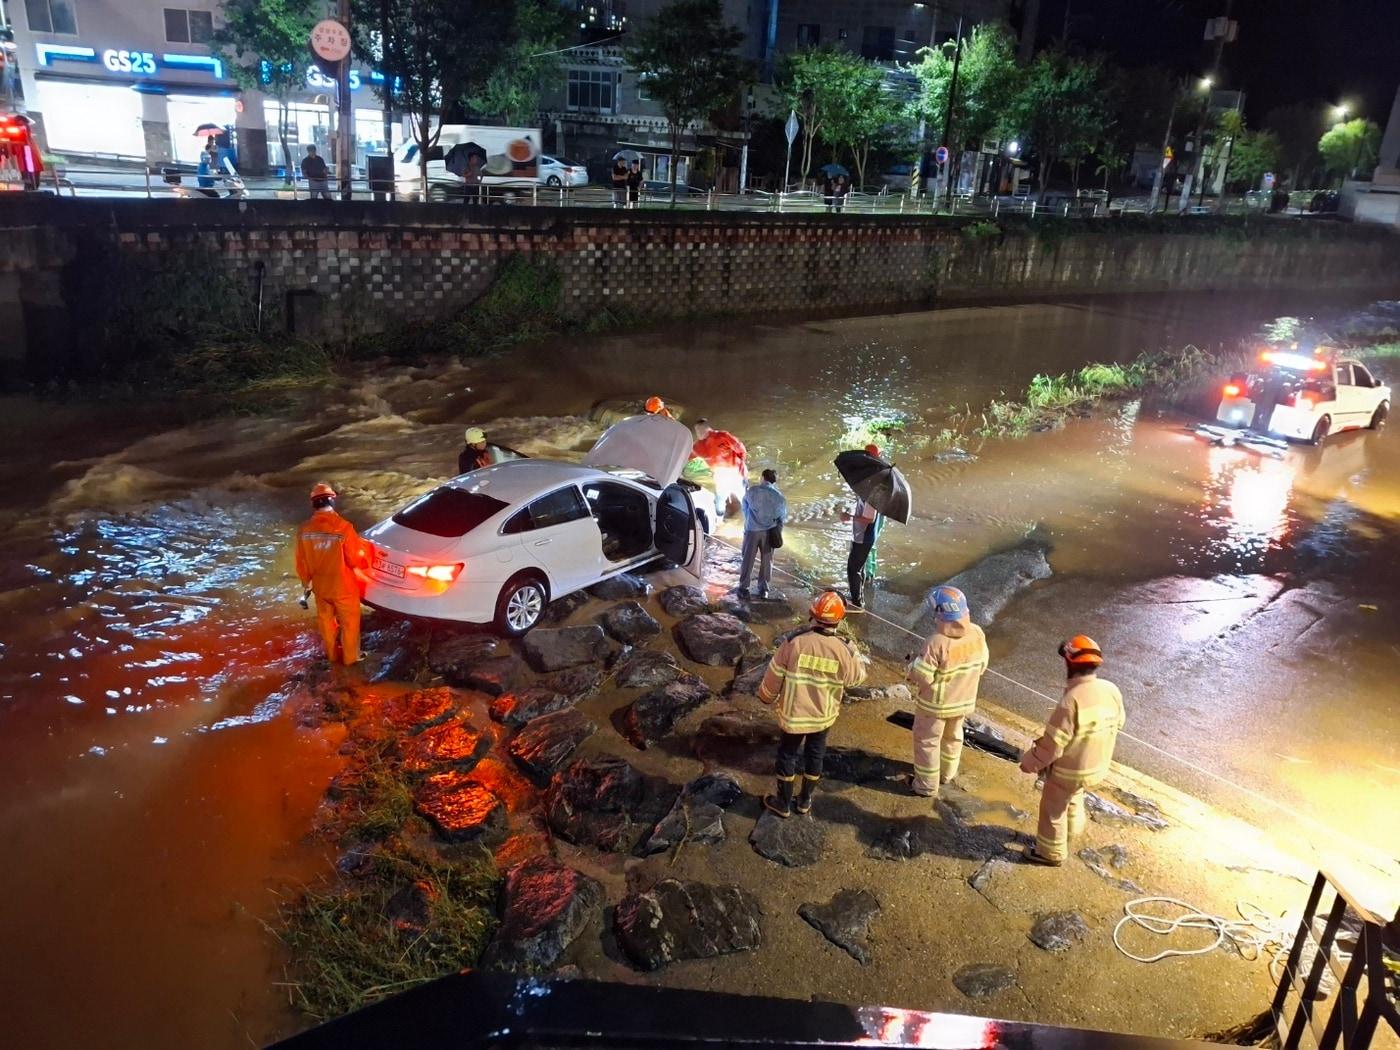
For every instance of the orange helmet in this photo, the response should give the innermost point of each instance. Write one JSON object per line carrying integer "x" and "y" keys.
{"x": 322, "y": 488}
{"x": 655, "y": 405}
{"x": 828, "y": 608}
{"x": 1081, "y": 651}
{"x": 873, "y": 450}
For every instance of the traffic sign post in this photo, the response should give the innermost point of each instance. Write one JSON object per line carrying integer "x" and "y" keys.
{"x": 330, "y": 43}
{"x": 941, "y": 155}
{"x": 790, "y": 130}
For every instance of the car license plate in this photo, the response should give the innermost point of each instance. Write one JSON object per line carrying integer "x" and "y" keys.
{"x": 388, "y": 568}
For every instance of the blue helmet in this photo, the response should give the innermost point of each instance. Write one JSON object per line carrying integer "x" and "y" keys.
{"x": 949, "y": 604}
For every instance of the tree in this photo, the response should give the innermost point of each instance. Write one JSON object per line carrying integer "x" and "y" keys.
{"x": 879, "y": 122}
{"x": 1061, "y": 108}
{"x": 688, "y": 56}
{"x": 528, "y": 67}
{"x": 826, "y": 86}
{"x": 267, "y": 43}
{"x": 1254, "y": 153}
{"x": 1296, "y": 127}
{"x": 1348, "y": 147}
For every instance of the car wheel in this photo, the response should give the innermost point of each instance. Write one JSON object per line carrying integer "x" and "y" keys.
{"x": 1378, "y": 416}
{"x": 1319, "y": 434}
{"x": 437, "y": 194}
{"x": 521, "y": 604}
{"x": 554, "y": 181}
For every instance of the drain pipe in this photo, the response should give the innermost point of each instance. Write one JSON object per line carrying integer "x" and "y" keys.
{"x": 261, "y": 268}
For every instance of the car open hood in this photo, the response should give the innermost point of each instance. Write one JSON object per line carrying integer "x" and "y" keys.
{"x": 657, "y": 446}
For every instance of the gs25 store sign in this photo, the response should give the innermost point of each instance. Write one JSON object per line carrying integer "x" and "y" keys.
{"x": 129, "y": 61}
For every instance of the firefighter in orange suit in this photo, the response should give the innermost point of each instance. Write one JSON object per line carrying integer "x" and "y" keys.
{"x": 1075, "y": 750}
{"x": 946, "y": 677}
{"x": 806, "y": 678}
{"x": 328, "y": 553}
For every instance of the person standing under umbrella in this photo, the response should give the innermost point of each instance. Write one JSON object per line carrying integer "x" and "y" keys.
{"x": 619, "y": 181}
{"x": 840, "y": 188}
{"x": 866, "y": 523}
{"x": 634, "y": 184}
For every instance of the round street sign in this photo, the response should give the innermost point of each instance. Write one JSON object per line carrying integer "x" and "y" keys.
{"x": 941, "y": 154}
{"x": 330, "y": 40}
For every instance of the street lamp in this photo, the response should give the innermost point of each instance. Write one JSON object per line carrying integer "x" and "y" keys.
{"x": 1340, "y": 111}
{"x": 1207, "y": 83}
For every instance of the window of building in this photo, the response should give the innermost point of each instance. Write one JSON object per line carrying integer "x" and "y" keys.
{"x": 842, "y": 34}
{"x": 809, "y": 34}
{"x": 877, "y": 43}
{"x": 643, "y": 95}
{"x": 592, "y": 90}
{"x": 188, "y": 27}
{"x": 51, "y": 16}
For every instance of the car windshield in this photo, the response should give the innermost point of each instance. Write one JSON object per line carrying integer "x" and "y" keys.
{"x": 449, "y": 512}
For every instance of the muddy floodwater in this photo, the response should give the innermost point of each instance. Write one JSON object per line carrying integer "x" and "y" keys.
{"x": 156, "y": 795}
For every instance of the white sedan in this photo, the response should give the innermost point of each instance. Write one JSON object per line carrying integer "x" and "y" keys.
{"x": 1305, "y": 397}
{"x": 499, "y": 544}
{"x": 556, "y": 171}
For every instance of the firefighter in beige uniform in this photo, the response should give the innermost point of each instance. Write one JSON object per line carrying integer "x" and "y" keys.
{"x": 946, "y": 676}
{"x": 1075, "y": 750}
{"x": 807, "y": 678}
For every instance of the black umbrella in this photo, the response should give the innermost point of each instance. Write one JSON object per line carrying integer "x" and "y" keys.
{"x": 878, "y": 483}
{"x": 204, "y": 130}
{"x": 458, "y": 158}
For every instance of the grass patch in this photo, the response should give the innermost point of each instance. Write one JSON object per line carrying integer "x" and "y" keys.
{"x": 1389, "y": 349}
{"x": 412, "y": 919}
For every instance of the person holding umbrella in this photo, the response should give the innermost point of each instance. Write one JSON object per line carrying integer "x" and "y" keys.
{"x": 634, "y": 183}
{"x": 882, "y": 491}
{"x": 467, "y": 160}
{"x": 619, "y": 181}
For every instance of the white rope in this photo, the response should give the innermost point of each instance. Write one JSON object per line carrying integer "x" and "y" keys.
{"x": 1251, "y": 935}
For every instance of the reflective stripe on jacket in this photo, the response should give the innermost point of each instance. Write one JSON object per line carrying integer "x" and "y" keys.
{"x": 1077, "y": 745}
{"x": 328, "y": 550}
{"x": 949, "y": 671}
{"x": 807, "y": 677}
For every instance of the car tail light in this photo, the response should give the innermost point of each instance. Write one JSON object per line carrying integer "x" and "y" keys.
{"x": 1232, "y": 390}
{"x": 437, "y": 573}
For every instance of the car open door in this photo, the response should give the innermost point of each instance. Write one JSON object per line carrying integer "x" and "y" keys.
{"x": 679, "y": 535}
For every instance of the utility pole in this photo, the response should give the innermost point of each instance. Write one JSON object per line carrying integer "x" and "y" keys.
{"x": 388, "y": 89}
{"x": 346, "y": 127}
{"x": 916, "y": 177}
{"x": 1166, "y": 145}
{"x": 954, "y": 162}
{"x": 1221, "y": 30}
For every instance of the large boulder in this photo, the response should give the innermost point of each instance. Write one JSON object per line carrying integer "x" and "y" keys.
{"x": 616, "y": 588}
{"x": 795, "y": 842}
{"x": 742, "y": 740}
{"x": 546, "y": 743}
{"x": 1058, "y": 931}
{"x": 561, "y": 609}
{"x": 415, "y": 711}
{"x": 646, "y": 669}
{"x": 554, "y": 648}
{"x": 459, "y": 808}
{"x": 452, "y": 655}
{"x": 604, "y": 803}
{"x": 500, "y": 674}
{"x": 653, "y": 715}
{"x": 715, "y": 639}
{"x": 574, "y": 682}
{"x": 545, "y": 905}
{"x": 697, "y": 815}
{"x": 845, "y": 921}
{"x": 686, "y": 920}
{"x": 684, "y": 601}
{"x": 516, "y": 708}
{"x": 451, "y": 743}
{"x": 749, "y": 674}
{"x": 994, "y": 581}
{"x": 629, "y": 623}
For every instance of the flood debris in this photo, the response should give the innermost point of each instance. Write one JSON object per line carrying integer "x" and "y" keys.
{"x": 545, "y": 905}
{"x": 976, "y": 733}
{"x": 1058, "y": 931}
{"x": 677, "y": 920}
{"x": 991, "y": 869}
{"x": 845, "y": 921}
{"x": 1102, "y": 811}
{"x": 1104, "y": 861}
{"x": 980, "y": 980}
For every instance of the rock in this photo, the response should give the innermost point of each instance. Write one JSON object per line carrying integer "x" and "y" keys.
{"x": 1102, "y": 811}
{"x": 845, "y": 921}
{"x": 394, "y": 652}
{"x": 546, "y": 743}
{"x": 991, "y": 868}
{"x": 545, "y": 906}
{"x": 854, "y": 766}
{"x": 1058, "y": 931}
{"x": 684, "y": 601}
{"x": 898, "y": 693}
{"x": 796, "y": 842}
{"x": 495, "y": 676}
{"x": 718, "y": 788}
{"x": 458, "y": 808}
{"x": 677, "y": 920}
{"x": 355, "y": 862}
{"x": 561, "y": 609}
{"x": 516, "y": 708}
{"x": 755, "y": 609}
{"x": 1145, "y": 807}
{"x": 994, "y": 581}
{"x": 415, "y": 711}
{"x": 714, "y": 639}
{"x": 604, "y": 803}
{"x": 954, "y": 455}
{"x": 908, "y": 839}
{"x": 554, "y": 648}
{"x": 625, "y": 585}
{"x": 452, "y": 655}
{"x": 629, "y": 623}
{"x": 690, "y": 820}
{"x": 653, "y": 715}
{"x": 451, "y": 743}
{"x": 1099, "y": 862}
{"x": 984, "y": 737}
{"x": 574, "y": 682}
{"x": 410, "y": 908}
{"x": 746, "y": 683}
{"x": 983, "y": 979}
{"x": 646, "y": 669}
{"x": 745, "y": 741}
{"x": 969, "y": 807}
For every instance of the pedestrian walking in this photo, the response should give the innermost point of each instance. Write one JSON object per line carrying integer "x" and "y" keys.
{"x": 1075, "y": 750}
{"x": 634, "y": 184}
{"x": 313, "y": 168}
{"x": 807, "y": 678}
{"x": 329, "y": 551}
{"x": 946, "y": 677}
{"x": 619, "y": 182}
{"x": 765, "y": 510}
{"x": 866, "y": 524}
{"x": 727, "y": 459}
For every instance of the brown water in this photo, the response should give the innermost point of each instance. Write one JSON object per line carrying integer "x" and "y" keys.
{"x": 158, "y": 793}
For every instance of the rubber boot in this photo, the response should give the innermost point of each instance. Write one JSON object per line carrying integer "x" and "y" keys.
{"x": 780, "y": 803}
{"x": 804, "y": 797}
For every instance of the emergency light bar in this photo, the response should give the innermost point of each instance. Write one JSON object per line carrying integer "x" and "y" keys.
{"x": 1300, "y": 362}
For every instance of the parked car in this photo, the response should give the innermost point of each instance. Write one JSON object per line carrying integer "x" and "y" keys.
{"x": 557, "y": 171}
{"x": 496, "y": 546}
{"x": 1305, "y": 396}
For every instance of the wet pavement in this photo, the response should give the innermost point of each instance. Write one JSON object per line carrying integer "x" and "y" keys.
{"x": 161, "y": 795}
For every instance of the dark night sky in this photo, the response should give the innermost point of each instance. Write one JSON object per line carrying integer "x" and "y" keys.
{"x": 1287, "y": 50}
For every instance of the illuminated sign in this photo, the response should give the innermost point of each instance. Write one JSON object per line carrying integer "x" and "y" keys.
{"x": 49, "y": 53}
{"x": 129, "y": 61}
{"x": 120, "y": 60}
{"x": 316, "y": 79}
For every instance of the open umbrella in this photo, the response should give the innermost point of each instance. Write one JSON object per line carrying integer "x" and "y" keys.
{"x": 878, "y": 483}
{"x": 835, "y": 169}
{"x": 205, "y": 130}
{"x": 629, "y": 155}
{"x": 458, "y": 159}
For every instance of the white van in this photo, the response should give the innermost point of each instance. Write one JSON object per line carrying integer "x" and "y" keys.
{"x": 507, "y": 157}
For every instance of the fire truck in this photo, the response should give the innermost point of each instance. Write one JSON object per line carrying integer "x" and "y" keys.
{"x": 21, "y": 166}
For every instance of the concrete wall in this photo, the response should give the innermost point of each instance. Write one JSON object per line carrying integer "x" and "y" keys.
{"x": 374, "y": 266}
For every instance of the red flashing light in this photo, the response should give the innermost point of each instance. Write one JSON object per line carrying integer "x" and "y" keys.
{"x": 1232, "y": 390}
{"x": 436, "y": 573}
